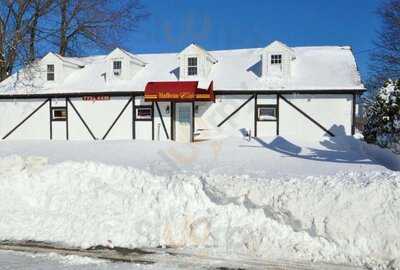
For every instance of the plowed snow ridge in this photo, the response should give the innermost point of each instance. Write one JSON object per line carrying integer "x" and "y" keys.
{"x": 346, "y": 218}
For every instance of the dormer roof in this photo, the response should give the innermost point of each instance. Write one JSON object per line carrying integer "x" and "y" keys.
{"x": 67, "y": 60}
{"x": 132, "y": 57}
{"x": 279, "y": 46}
{"x": 196, "y": 49}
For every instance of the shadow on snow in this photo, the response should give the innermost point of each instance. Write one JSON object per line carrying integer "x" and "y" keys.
{"x": 340, "y": 149}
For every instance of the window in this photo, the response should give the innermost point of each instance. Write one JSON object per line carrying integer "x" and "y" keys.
{"x": 267, "y": 113}
{"x": 143, "y": 113}
{"x": 50, "y": 73}
{"x": 276, "y": 59}
{"x": 117, "y": 66}
{"x": 59, "y": 114}
{"x": 192, "y": 66}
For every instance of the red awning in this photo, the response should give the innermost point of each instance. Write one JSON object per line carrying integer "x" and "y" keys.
{"x": 177, "y": 91}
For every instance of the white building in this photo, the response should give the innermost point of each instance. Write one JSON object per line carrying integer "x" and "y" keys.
{"x": 303, "y": 92}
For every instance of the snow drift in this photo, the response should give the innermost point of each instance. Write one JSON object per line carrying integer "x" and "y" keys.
{"x": 346, "y": 218}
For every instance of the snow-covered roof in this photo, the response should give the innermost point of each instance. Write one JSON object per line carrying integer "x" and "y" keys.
{"x": 314, "y": 68}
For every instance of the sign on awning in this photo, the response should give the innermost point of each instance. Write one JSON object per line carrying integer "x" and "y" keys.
{"x": 178, "y": 91}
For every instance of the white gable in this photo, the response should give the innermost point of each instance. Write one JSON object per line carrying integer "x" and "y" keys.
{"x": 204, "y": 59}
{"x": 63, "y": 66}
{"x": 130, "y": 65}
{"x": 277, "y": 61}
{"x": 279, "y": 46}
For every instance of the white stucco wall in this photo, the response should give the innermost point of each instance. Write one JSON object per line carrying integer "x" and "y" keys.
{"x": 211, "y": 114}
{"x": 331, "y": 111}
{"x": 142, "y": 128}
{"x": 99, "y": 116}
{"x": 159, "y": 133}
{"x": 12, "y": 112}
{"x": 264, "y": 128}
{"x": 59, "y": 128}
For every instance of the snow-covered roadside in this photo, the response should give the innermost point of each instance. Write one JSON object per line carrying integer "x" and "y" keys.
{"x": 26, "y": 261}
{"x": 351, "y": 217}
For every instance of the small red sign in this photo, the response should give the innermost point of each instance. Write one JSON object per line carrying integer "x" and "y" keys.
{"x": 96, "y": 98}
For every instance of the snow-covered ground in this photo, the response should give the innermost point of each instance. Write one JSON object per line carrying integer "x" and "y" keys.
{"x": 271, "y": 199}
{"x": 270, "y": 157}
{"x": 27, "y": 261}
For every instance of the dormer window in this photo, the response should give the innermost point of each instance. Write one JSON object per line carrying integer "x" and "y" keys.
{"x": 50, "y": 73}
{"x": 194, "y": 62}
{"x": 276, "y": 59}
{"x": 117, "y": 66}
{"x": 192, "y": 66}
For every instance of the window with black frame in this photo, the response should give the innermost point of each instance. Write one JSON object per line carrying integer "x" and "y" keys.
{"x": 276, "y": 59}
{"x": 144, "y": 113}
{"x": 267, "y": 113}
{"x": 192, "y": 66}
{"x": 50, "y": 73}
{"x": 117, "y": 67}
{"x": 58, "y": 113}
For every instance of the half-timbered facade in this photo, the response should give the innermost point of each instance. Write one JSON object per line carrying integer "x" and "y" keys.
{"x": 303, "y": 92}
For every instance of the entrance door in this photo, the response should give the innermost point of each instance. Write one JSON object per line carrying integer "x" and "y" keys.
{"x": 183, "y": 124}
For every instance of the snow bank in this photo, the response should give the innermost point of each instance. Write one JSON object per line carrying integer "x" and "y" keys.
{"x": 382, "y": 155}
{"x": 346, "y": 218}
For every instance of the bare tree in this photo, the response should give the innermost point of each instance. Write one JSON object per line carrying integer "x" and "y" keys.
{"x": 386, "y": 58}
{"x": 100, "y": 23}
{"x": 19, "y": 21}
{"x": 39, "y": 9}
{"x": 11, "y": 33}
{"x": 32, "y": 27}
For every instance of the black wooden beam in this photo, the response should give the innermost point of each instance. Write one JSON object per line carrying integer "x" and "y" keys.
{"x": 353, "y": 116}
{"x": 193, "y": 124}
{"x": 277, "y": 115}
{"x": 51, "y": 120}
{"x": 162, "y": 120}
{"x": 80, "y": 117}
{"x": 172, "y": 110}
{"x": 133, "y": 118}
{"x": 216, "y": 92}
{"x": 235, "y": 111}
{"x": 152, "y": 121}
{"x": 307, "y": 116}
{"x": 255, "y": 116}
{"x": 72, "y": 95}
{"x": 116, "y": 119}
{"x": 25, "y": 119}
{"x": 286, "y": 92}
{"x": 66, "y": 121}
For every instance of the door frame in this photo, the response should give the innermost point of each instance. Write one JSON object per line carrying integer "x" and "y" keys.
{"x": 174, "y": 119}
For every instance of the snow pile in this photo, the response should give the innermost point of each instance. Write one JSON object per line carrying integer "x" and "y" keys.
{"x": 345, "y": 218}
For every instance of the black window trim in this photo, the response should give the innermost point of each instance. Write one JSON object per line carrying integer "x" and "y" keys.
{"x": 56, "y": 119}
{"x": 276, "y": 59}
{"x": 114, "y": 65}
{"x": 193, "y": 66}
{"x": 274, "y": 106}
{"x": 144, "y": 107}
{"x": 50, "y": 72}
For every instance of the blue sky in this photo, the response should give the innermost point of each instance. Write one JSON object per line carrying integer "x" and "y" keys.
{"x": 228, "y": 24}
